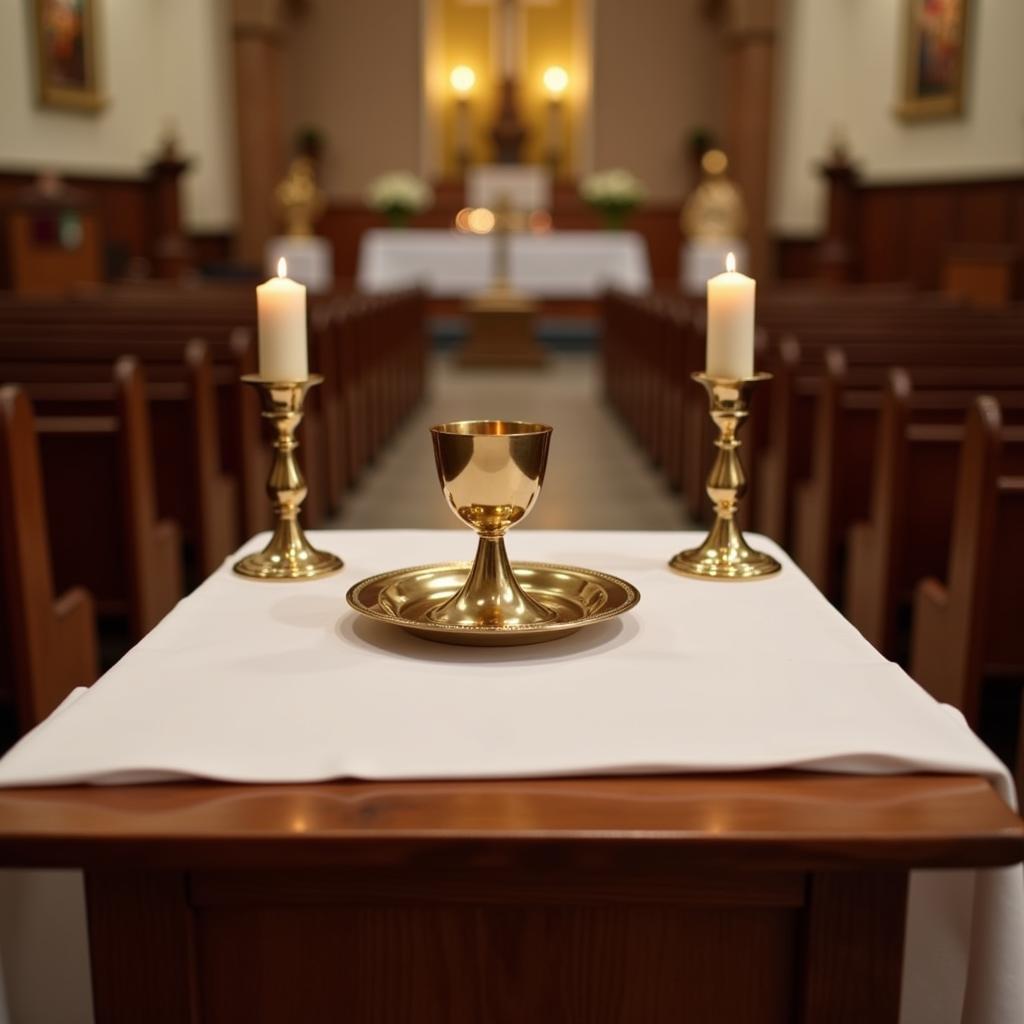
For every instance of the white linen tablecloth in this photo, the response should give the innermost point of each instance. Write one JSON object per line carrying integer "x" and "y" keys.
{"x": 555, "y": 265}
{"x": 255, "y": 682}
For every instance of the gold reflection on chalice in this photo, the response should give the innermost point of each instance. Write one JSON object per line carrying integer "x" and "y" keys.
{"x": 491, "y": 472}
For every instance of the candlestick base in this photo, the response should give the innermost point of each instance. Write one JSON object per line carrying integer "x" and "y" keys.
{"x": 725, "y": 555}
{"x": 289, "y": 555}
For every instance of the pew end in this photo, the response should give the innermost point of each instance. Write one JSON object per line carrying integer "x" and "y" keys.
{"x": 52, "y": 642}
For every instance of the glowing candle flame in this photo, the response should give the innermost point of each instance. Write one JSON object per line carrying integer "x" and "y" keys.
{"x": 282, "y": 267}
{"x": 463, "y": 79}
{"x": 556, "y": 80}
{"x": 730, "y": 263}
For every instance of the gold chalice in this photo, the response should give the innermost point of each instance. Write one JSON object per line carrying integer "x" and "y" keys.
{"x": 491, "y": 472}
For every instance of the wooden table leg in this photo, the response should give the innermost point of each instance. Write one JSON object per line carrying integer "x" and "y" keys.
{"x": 852, "y": 966}
{"x": 142, "y": 947}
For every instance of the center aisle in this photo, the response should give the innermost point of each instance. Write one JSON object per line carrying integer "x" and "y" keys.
{"x": 597, "y": 478}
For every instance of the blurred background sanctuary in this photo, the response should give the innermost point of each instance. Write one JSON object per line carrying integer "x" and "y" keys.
{"x": 176, "y": 136}
{"x": 505, "y": 209}
{"x": 513, "y": 161}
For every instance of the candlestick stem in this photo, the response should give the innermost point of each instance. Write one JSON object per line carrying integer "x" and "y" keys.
{"x": 725, "y": 555}
{"x": 289, "y": 555}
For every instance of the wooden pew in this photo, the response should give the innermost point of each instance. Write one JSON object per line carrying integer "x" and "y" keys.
{"x": 642, "y": 372}
{"x": 341, "y": 431}
{"x": 324, "y": 360}
{"x": 386, "y": 343}
{"x": 380, "y": 354}
{"x": 836, "y": 492}
{"x": 191, "y": 486}
{"x": 97, "y": 458}
{"x": 967, "y": 631}
{"x": 676, "y": 403}
{"x": 49, "y": 641}
{"x": 799, "y": 368}
{"x": 371, "y": 352}
{"x": 908, "y": 534}
{"x": 244, "y": 453}
{"x": 819, "y": 319}
{"x": 649, "y": 349}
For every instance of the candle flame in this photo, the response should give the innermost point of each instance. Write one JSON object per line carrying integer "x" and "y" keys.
{"x": 282, "y": 267}
{"x": 730, "y": 263}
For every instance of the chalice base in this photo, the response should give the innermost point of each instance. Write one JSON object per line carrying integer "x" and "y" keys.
{"x": 724, "y": 556}
{"x": 288, "y": 556}
{"x": 491, "y": 596}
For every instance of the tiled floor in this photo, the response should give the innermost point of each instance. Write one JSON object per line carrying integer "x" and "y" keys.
{"x": 597, "y": 476}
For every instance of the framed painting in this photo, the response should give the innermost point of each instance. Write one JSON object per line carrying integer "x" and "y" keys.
{"x": 934, "y": 58}
{"x": 66, "y": 47}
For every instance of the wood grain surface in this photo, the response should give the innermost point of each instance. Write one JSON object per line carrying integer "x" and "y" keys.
{"x": 786, "y": 819}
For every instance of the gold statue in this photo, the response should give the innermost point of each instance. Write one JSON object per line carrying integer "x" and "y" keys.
{"x": 300, "y": 198}
{"x": 714, "y": 210}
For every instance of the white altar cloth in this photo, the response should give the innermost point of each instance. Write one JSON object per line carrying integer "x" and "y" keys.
{"x": 251, "y": 682}
{"x": 556, "y": 265}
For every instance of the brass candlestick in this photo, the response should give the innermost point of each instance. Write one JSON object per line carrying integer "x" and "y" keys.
{"x": 289, "y": 555}
{"x": 724, "y": 555}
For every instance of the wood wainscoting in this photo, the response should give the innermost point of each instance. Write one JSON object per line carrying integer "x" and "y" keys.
{"x": 129, "y": 220}
{"x": 124, "y": 206}
{"x": 123, "y": 212}
{"x": 796, "y": 257}
{"x": 906, "y": 231}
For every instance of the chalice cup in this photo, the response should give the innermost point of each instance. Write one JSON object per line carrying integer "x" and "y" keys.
{"x": 491, "y": 472}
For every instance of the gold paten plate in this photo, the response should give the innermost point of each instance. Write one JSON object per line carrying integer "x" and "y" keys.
{"x": 580, "y": 597}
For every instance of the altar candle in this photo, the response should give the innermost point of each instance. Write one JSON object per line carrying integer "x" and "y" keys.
{"x": 281, "y": 303}
{"x": 730, "y": 351}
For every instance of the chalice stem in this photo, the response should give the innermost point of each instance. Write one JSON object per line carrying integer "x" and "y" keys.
{"x": 491, "y": 595}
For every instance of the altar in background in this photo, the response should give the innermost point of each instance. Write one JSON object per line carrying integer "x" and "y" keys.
{"x": 554, "y": 265}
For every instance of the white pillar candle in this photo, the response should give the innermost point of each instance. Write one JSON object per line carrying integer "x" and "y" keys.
{"x": 281, "y": 304}
{"x": 730, "y": 351}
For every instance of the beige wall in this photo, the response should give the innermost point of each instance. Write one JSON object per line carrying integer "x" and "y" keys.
{"x": 841, "y": 69}
{"x": 160, "y": 60}
{"x": 656, "y": 76}
{"x": 353, "y": 70}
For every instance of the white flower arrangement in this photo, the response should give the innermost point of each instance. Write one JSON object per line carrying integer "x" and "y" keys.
{"x": 398, "y": 195}
{"x": 614, "y": 192}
